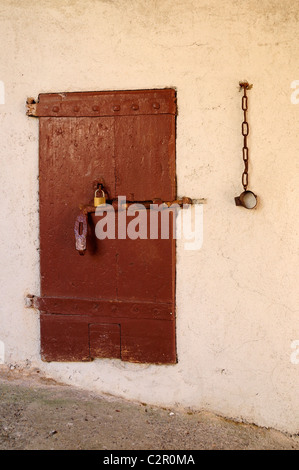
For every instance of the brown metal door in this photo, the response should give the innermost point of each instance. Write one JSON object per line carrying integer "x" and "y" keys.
{"x": 118, "y": 300}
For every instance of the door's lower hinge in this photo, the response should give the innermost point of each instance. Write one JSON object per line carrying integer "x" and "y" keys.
{"x": 31, "y": 301}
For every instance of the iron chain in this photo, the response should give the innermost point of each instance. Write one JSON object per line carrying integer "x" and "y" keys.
{"x": 245, "y": 132}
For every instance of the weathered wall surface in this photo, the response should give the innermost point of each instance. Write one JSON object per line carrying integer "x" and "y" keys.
{"x": 237, "y": 297}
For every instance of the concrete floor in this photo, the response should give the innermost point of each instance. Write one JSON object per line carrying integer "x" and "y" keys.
{"x": 38, "y": 413}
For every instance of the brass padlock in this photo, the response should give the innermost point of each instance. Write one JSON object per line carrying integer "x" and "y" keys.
{"x": 99, "y": 201}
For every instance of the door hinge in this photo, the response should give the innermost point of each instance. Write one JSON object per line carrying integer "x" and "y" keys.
{"x": 31, "y": 301}
{"x": 31, "y": 105}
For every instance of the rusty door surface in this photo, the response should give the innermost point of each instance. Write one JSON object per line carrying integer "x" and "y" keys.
{"x": 117, "y": 301}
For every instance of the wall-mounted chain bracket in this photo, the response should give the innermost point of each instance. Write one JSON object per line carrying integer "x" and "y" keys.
{"x": 247, "y": 198}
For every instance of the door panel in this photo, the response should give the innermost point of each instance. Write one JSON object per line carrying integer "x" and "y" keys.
{"x": 144, "y": 341}
{"x": 146, "y": 268}
{"x": 118, "y": 300}
{"x": 104, "y": 340}
{"x": 142, "y": 147}
{"x": 73, "y": 153}
{"x": 64, "y": 338}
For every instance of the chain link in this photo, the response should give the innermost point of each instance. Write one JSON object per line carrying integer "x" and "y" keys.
{"x": 245, "y": 132}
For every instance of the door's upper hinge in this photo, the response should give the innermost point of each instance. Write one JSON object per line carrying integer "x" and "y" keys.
{"x": 31, "y": 105}
{"x": 99, "y": 104}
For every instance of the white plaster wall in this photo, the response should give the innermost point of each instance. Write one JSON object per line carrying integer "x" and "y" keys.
{"x": 237, "y": 297}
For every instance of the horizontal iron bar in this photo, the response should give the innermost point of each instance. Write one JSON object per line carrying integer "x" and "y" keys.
{"x": 103, "y": 104}
{"x": 101, "y": 308}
